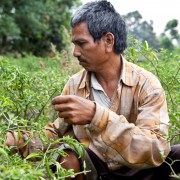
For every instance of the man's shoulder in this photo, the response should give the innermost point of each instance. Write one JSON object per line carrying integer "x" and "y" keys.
{"x": 138, "y": 70}
{"x": 142, "y": 75}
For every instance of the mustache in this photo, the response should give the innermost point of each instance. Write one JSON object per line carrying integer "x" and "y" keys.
{"x": 81, "y": 59}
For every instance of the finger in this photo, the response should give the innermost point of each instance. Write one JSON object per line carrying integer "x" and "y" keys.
{"x": 62, "y": 107}
{"x": 60, "y": 99}
{"x": 66, "y": 117}
{"x": 64, "y": 114}
{"x": 10, "y": 139}
{"x": 68, "y": 121}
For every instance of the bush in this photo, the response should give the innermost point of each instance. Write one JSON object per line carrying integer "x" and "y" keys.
{"x": 25, "y": 104}
{"x": 166, "y": 66}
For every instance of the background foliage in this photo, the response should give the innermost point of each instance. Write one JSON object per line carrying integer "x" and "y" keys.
{"x": 31, "y": 26}
{"x": 143, "y": 31}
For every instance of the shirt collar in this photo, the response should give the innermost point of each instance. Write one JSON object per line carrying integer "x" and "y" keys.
{"x": 85, "y": 79}
{"x": 94, "y": 83}
{"x": 128, "y": 75}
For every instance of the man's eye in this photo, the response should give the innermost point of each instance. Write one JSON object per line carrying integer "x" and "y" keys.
{"x": 81, "y": 43}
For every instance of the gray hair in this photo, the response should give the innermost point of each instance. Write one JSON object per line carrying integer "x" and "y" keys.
{"x": 101, "y": 17}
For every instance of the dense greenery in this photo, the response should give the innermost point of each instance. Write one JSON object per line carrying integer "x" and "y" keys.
{"x": 25, "y": 105}
{"x": 29, "y": 83}
{"x": 31, "y": 26}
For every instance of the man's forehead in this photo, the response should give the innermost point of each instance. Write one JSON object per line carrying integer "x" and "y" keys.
{"x": 81, "y": 27}
{"x": 80, "y": 31}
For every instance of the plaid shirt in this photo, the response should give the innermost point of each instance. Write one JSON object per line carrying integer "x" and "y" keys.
{"x": 130, "y": 132}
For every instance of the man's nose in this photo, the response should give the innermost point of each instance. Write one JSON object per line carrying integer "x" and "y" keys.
{"x": 76, "y": 52}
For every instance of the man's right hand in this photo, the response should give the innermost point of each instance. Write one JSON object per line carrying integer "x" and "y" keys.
{"x": 20, "y": 143}
{"x": 11, "y": 139}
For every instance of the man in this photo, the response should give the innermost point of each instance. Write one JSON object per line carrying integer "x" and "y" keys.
{"x": 117, "y": 109}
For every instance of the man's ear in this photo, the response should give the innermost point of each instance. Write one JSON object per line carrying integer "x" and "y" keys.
{"x": 109, "y": 42}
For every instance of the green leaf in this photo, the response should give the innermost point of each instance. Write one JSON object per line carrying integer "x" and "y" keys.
{"x": 84, "y": 165}
{"x": 162, "y": 154}
{"x": 48, "y": 168}
{"x": 146, "y": 46}
{"x": 34, "y": 155}
{"x": 19, "y": 134}
{"x": 132, "y": 52}
{"x": 154, "y": 55}
{"x": 4, "y": 153}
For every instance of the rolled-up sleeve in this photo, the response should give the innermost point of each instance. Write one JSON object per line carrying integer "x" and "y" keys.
{"x": 136, "y": 145}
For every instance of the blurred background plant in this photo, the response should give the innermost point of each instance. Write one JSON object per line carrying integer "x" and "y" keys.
{"x": 31, "y": 26}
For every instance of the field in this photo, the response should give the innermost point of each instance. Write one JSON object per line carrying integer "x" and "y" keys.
{"x": 28, "y": 84}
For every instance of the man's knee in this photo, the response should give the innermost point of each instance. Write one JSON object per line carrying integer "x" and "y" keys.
{"x": 174, "y": 158}
{"x": 175, "y": 152}
{"x": 70, "y": 161}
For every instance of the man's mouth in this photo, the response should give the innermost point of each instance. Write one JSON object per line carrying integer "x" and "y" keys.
{"x": 81, "y": 60}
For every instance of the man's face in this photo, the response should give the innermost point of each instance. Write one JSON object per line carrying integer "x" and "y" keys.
{"x": 90, "y": 54}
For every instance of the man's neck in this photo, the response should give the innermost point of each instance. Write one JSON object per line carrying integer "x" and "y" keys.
{"x": 109, "y": 76}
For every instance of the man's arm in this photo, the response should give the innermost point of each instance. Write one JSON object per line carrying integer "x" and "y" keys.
{"x": 137, "y": 144}
{"x": 134, "y": 145}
